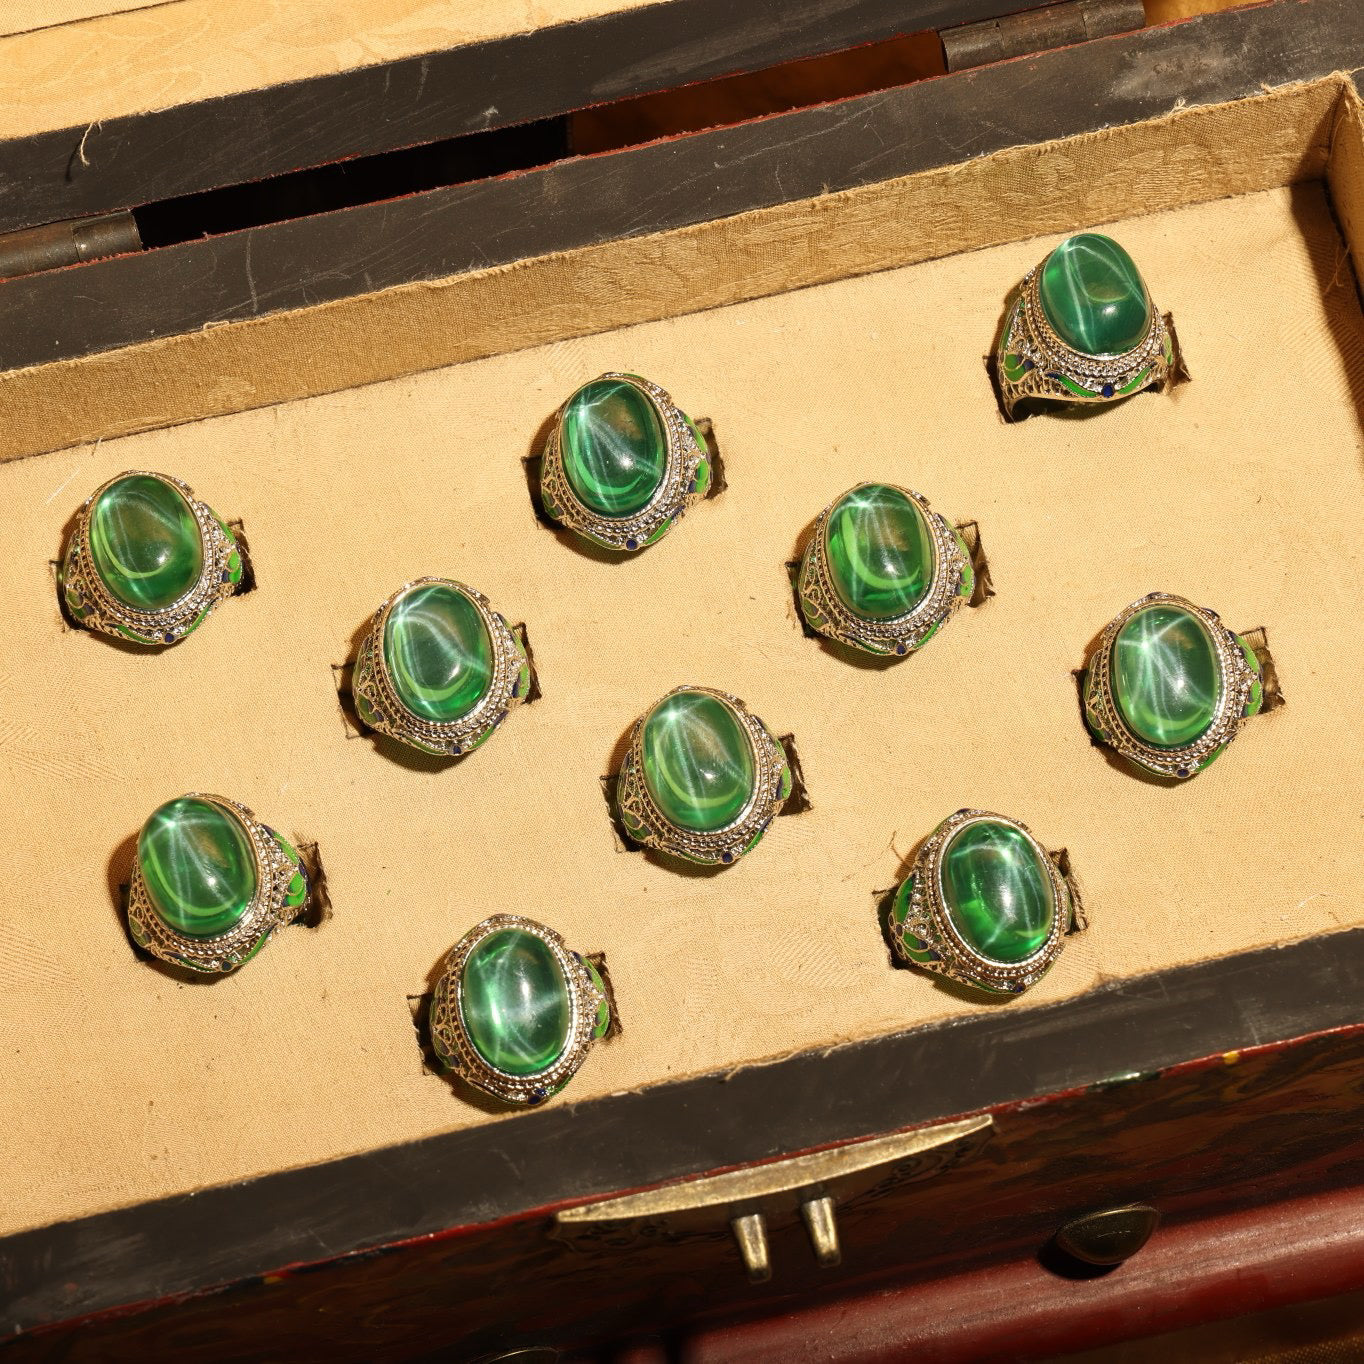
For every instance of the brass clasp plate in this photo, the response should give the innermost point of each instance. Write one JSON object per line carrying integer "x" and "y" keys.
{"x": 743, "y": 1203}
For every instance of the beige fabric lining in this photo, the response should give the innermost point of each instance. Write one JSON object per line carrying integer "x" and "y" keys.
{"x": 1191, "y": 155}
{"x": 1244, "y": 489}
{"x": 155, "y": 56}
{"x": 101, "y": 59}
{"x": 22, "y": 16}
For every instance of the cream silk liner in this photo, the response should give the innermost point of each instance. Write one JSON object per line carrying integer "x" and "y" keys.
{"x": 132, "y": 57}
{"x": 1242, "y": 490}
{"x": 128, "y": 56}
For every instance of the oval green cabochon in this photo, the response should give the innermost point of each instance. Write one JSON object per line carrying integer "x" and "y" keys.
{"x": 198, "y": 865}
{"x": 515, "y": 1002}
{"x": 613, "y": 446}
{"x": 699, "y": 767}
{"x": 438, "y": 652}
{"x": 998, "y": 894}
{"x": 879, "y": 550}
{"x": 1165, "y": 675}
{"x": 145, "y": 543}
{"x": 1094, "y": 296}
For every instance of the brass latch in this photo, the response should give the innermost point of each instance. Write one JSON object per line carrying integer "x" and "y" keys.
{"x": 747, "y": 1201}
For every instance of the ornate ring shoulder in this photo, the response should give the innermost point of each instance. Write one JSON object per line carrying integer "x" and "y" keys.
{"x": 450, "y": 1037}
{"x": 679, "y": 488}
{"x": 380, "y": 707}
{"x": 272, "y": 906}
{"x": 92, "y": 604}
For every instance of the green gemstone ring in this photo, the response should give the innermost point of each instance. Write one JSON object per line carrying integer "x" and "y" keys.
{"x": 1169, "y": 686}
{"x": 147, "y": 561}
{"x": 210, "y": 884}
{"x": 622, "y": 463}
{"x": 515, "y": 1012}
{"x": 883, "y": 572}
{"x": 702, "y": 778}
{"x": 1083, "y": 329}
{"x": 985, "y": 905}
{"x": 439, "y": 669}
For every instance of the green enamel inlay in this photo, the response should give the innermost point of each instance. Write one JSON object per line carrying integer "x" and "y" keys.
{"x": 880, "y": 551}
{"x": 699, "y": 767}
{"x": 899, "y": 909}
{"x": 603, "y": 1023}
{"x": 198, "y": 866}
{"x": 1094, "y": 296}
{"x": 1256, "y": 698}
{"x": 515, "y": 1002}
{"x": 613, "y": 446}
{"x": 296, "y": 892}
{"x": 1133, "y": 384}
{"x": 1079, "y": 390}
{"x": 145, "y": 542}
{"x": 915, "y": 948}
{"x": 997, "y": 892}
{"x": 256, "y": 946}
{"x": 438, "y": 652}
{"x": 696, "y": 434}
{"x": 1165, "y": 676}
{"x": 703, "y": 477}
{"x": 968, "y": 572}
{"x": 1014, "y": 368}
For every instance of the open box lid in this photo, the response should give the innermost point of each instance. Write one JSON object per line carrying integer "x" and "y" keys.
{"x": 1264, "y": 996}
{"x": 59, "y": 320}
{"x": 128, "y": 103}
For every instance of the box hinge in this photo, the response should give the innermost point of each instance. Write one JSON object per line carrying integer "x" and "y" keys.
{"x": 1036, "y": 30}
{"x": 49, "y": 247}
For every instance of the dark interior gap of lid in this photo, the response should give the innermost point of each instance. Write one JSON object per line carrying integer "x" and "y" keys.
{"x": 717, "y": 103}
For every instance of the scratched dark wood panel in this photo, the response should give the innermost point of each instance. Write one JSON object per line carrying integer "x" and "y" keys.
{"x": 139, "y": 159}
{"x": 104, "y": 305}
{"x": 1128, "y": 1029}
{"x": 1197, "y": 1140}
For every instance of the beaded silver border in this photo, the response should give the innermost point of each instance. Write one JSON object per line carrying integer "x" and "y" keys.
{"x": 1030, "y": 336}
{"x": 899, "y": 634}
{"x": 372, "y": 684}
{"x": 951, "y": 955}
{"x": 647, "y": 824}
{"x": 675, "y": 493}
{"x": 451, "y": 1037}
{"x": 266, "y": 912}
{"x": 1235, "y": 680}
{"x": 106, "y": 614}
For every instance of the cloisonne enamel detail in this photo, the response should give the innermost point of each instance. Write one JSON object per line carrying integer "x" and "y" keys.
{"x": 280, "y": 894}
{"x": 763, "y": 759}
{"x": 950, "y": 584}
{"x": 1239, "y": 692}
{"x": 930, "y": 931}
{"x": 587, "y": 1016}
{"x": 684, "y": 475}
{"x": 1035, "y": 362}
{"x": 91, "y": 596}
{"x": 378, "y": 697}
